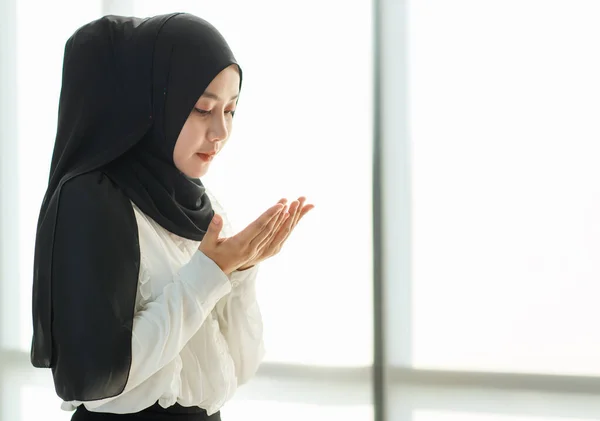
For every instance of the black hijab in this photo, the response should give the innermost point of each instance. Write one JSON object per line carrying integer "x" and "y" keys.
{"x": 128, "y": 87}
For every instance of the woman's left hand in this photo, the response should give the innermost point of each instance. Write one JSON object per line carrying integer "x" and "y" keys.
{"x": 286, "y": 224}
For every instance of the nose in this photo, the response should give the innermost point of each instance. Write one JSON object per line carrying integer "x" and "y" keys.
{"x": 218, "y": 129}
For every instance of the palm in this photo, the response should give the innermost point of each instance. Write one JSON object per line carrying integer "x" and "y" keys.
{"x": 272, "y": 244}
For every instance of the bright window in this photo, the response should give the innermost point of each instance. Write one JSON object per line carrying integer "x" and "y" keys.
{"x": 505, "y": 195}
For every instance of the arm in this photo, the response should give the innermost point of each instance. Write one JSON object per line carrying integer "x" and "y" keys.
{"x": 165, "y": 325}
{"x": 239, "y": 317}
{"x": 241, "y": 324}
{"x": 101, "y": 348}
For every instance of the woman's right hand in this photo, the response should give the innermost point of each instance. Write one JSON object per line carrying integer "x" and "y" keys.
{"x": 232, "y": 252}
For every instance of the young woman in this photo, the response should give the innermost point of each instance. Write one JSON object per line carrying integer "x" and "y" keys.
{"x": 144, "y": 301}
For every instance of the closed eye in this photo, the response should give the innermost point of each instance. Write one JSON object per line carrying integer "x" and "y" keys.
{"x": 206, "y": 112}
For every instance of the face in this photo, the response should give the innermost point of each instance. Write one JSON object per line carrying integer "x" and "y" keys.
{"x": 208, "y": 126}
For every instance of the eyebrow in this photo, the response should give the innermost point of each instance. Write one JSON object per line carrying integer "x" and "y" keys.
{"x": 217, "y": 97}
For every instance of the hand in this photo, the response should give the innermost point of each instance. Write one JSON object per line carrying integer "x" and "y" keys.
{"x": 230, "y": 253}
{"x": 287, "y": 222}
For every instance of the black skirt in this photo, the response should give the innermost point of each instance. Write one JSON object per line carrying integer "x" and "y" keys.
{"x": 154, "y": 413}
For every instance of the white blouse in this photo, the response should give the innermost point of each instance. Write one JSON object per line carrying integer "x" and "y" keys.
{"x": 197, "y": 333}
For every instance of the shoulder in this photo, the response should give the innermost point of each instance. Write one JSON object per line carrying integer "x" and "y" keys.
{"x": 93, "y": 195}
{"x": 91, "y": 206}
{"x": 96, "y": 234}
{"x": 91, "y": 186}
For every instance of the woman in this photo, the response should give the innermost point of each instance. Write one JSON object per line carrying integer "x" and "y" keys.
{"x": 140, "y": 307}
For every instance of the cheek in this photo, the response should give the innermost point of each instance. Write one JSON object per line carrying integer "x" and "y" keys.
{"x": 229, "y": 126}
{"x": 189, "y": 139}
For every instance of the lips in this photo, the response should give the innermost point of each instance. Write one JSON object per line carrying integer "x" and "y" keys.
{"x": 206, "y": 157}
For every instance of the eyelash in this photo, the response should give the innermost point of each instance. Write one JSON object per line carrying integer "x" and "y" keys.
{"x": 205, "y": 113}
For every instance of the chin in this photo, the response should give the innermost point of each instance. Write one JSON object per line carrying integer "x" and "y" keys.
{"x": 196, "y": 173}
{"x": 192, "y": 168}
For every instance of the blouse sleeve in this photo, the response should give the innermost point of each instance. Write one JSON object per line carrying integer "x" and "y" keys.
{"x": 165, "y": 325}
{"x": 238, "y": 313}
{"x": 241, "y": 324}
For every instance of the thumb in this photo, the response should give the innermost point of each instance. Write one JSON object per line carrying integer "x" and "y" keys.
{"x": 214, "y": 228}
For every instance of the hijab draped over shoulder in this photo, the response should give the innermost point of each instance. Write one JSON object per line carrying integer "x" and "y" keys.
{"x": 128, "y": 86}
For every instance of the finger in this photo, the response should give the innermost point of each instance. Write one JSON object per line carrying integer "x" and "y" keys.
{"x": 264, "y": 234}
{"x": 260, "y": 224}
{"x": 213, "y": 230}
{"x": 294, "y": 208}
{"x": 286, "y": 229}
{"x": 299, "y": 214}
{"x": 286, "y": 226}
{"x": 283, "y": 215}
{"x": 301, "y": 201}
{"x": 294, "y": 216}
{"x": 305, "y": 210}
{"x": 281, "y": 218}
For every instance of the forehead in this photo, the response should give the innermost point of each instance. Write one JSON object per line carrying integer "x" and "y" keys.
{"x": 225, "y": 85}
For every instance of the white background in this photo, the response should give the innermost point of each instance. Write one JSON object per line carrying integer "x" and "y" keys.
{"x": 505, "y": 185}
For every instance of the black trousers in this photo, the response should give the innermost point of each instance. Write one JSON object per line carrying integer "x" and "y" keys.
{"x": 154, "y": 413}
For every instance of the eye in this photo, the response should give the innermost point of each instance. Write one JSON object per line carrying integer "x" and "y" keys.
{"x": 202, "y": 112}
{"x": 207, "y": 112}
